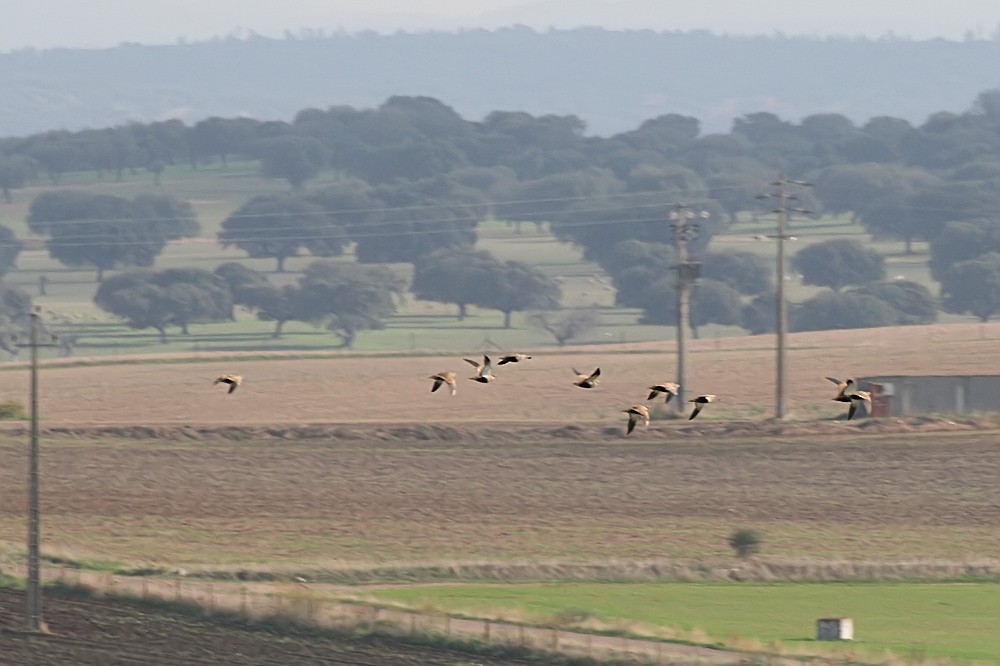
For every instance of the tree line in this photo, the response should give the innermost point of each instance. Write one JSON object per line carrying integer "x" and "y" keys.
{"x": 415, "y": 179}
{"x": 736, "y": 288}
{"x": 345, "y": 298}
{"x": 415, "y": 165}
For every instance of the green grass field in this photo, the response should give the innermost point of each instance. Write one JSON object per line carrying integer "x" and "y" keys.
{"x": 915, "y": 620}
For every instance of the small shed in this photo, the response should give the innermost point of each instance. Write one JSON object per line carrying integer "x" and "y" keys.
{"x": 835, "y": 629}
{"x": 901, "y": 395}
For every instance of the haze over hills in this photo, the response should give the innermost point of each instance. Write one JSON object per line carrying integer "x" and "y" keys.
{"x": 613, "y": 80}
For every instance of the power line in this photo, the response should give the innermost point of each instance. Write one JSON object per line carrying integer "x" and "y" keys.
{"x": 347, "y": 236}
{"x": 349, "y": 231}
{"x": 696, "y": 197}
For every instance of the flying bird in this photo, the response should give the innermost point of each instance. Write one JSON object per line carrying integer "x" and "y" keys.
{"x": 484, "y": 370}
{"x": 232, "y": 380}
{"x": 635, "y": 413}
{"x": 699, "y": 403}
{"x": 444, "y": 378}
{"x": 843, "y": 389}
{"x": 856, "y": 398}
{"x": 669, "y": 388}
{"x": 587, "y": 381}
{"x": 512, "y": 358}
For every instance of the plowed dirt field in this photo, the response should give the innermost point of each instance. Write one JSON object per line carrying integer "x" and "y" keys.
{"x": 327, "y": 502}
{"x": 115, "y": 633}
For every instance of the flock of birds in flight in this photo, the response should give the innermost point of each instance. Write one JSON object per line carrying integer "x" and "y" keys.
{"x": 484, "y": 375}
{"x": 846, "y": 389}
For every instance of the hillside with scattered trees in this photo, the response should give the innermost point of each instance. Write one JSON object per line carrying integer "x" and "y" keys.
{"x": 410, "y": 182}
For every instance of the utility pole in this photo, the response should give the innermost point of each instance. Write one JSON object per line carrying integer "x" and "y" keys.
{"x": 34, "y": 514}
{"x": 781, "y": 324}
{"x": 687, "y": 272}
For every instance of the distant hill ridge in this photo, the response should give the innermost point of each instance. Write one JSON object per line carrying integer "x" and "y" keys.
{"x": 613, "y": 80}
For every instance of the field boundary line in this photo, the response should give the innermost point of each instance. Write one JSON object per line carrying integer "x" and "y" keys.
{"x": 667, "y": 430}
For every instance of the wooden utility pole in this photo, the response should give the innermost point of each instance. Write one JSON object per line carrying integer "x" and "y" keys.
{"x": 34, "y": 609}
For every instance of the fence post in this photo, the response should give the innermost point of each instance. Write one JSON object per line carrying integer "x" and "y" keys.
{"x": 520, "y": 633}
{"x": 447, "y": 626}
{"x": 555, "y": 640}
{"x": 177, "y": 589}
{"x": 486, "y": 631}
{"x": 145, "y": 587}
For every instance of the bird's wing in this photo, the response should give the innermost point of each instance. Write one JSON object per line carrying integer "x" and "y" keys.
{"x": 504, "y": 360}
{"x": 653, "y": 391}
{"x": 853, "y": 408}
{"x": 487, "y": 365}
{"x": 232, "y": 386}
{"x": 631, "y": 424}
{"x": 578, "y": 373}
{"x": 437, "y": 384}
{"x": 697, "y": 410}
{"x": 471, "y": 362}
{"x": 835, "y": 380}
{"x": 595, "y": 374}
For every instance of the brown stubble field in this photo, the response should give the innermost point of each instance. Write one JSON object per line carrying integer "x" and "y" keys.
{"x": 395, "y": 389}
{"x": 489, "y": 490}
{"x": 333, "y": 504}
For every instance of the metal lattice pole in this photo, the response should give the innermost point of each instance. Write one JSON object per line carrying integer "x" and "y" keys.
{"x": 781, "y": 322}
{"x": 683, "y": 301}
{"x": 687, "y": 272}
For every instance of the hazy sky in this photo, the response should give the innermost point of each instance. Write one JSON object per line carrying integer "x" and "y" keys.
{"x": 103, "y": 23}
